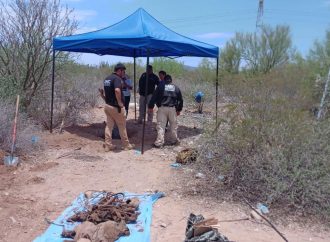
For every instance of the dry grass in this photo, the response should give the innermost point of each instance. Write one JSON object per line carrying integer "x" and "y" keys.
{"x": 27, "y": 132}
{"x": 269, "y": 148}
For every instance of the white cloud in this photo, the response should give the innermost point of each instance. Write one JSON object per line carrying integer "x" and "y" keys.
{"x": 83, "y": 14}
{"x": 215, "y": 35}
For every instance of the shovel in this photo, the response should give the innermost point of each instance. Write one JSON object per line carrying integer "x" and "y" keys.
{"x": 12, "y": 160}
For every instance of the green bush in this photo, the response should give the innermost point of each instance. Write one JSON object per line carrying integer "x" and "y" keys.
{"x": 25, "y": 129}
{"x": 269, "y": 148}
{"x": 172, "y": 67}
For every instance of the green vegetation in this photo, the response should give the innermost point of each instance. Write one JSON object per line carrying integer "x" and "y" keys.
{"x": 269, "y": 147}
{"x": 259, "y": 52}
{"x": 27, "y": 29}
{"x": 171, "y": 66}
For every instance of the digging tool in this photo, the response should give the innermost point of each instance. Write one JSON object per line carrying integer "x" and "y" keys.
{"x": 12, "y": 160}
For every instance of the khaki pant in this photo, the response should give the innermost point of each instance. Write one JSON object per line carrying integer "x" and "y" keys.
{"x": 164, "y": 114}
{"x": 144, "y": 106}
{"x": 113, "y": 117}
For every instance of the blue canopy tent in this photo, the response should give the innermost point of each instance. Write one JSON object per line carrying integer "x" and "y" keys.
{"x": 138, "y": 35}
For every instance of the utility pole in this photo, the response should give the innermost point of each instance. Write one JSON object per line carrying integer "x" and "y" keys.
{"x": 259, "y": 22}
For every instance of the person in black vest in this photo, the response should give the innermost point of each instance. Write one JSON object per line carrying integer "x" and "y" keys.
{"x": 114, "y": 108}
{"x": 168, "y": 99}
{"x": 153, "y": 81}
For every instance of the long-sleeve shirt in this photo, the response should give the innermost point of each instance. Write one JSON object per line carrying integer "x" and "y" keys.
{"x": 153, "y": 81}
{"x": 167, "y": 95}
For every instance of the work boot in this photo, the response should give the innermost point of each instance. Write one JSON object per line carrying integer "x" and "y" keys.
{"x": 108, "y": 148}
{"x": 129, "y": 147}
{"x": 158, "y": 146}
{"x": 177, "y": 142}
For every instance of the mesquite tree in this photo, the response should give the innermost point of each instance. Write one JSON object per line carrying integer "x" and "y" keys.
{"x": 257, "y": 52}
{"x": 26, "y": 32}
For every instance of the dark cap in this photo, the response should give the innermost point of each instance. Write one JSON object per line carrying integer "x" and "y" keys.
{"x": 120, "y": 66}
{"x": 168, "y": 79}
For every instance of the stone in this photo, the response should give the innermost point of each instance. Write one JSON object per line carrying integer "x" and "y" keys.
{"x": 255, "y": 215}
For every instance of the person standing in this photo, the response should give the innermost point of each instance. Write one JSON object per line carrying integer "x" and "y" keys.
{"x": 114, "y": 108}
{"x": 145, "y": 97}
{"x": 168, "y": 99}
{"x": 127, "y": 87}
{"x": 161, "y": 75}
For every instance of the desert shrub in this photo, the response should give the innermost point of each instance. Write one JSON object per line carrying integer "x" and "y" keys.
{"x": 6, "y": 115}
{"x": 26, "y": 31}
{"x": 201, "y": 78}
{"x": 172, "y": 67}
{"x": 189, "y": 86}
{"x": 257, "y": 52}
{"x": 7, "y": 90}
{"x": 206, "y": 71}
{"x": 25, "y": 129}
{"x": 76, "y": 90}
{"x": 268, "y": 147}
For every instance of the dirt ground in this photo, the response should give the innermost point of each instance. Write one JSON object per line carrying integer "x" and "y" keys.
{"x": 74, "y": 162}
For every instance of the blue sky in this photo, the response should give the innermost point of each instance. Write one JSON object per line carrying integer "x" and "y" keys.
{"x": 210, "y": 21}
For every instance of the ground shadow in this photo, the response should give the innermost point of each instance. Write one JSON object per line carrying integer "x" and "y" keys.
{"x": 184, "y": 132}
{"x": 95, "y": 131}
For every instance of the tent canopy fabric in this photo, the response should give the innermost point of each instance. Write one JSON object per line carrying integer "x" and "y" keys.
{"x": 138, "y": 35}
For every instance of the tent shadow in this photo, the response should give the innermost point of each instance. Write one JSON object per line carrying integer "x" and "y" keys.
{"x": 95, "y": 132}
{"x": 184, "y": 132}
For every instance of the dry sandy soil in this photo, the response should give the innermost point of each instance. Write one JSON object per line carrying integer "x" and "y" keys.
{"x": 74, "y": 162}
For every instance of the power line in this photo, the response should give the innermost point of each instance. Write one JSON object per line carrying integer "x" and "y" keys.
{"x": 203, "y": 17}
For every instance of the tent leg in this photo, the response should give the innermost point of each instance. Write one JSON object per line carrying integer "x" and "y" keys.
{"x": 134, "y": 86}
{"x": 145, "y": 106}
{"x": 52, "y": 100}
{"x": 216, "y": 95}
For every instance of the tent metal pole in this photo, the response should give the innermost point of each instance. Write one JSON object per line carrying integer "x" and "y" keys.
{"x": 216, "y": 94}
{"x": 52, "y": 100}
{"x": 134, "y": 86}
{"x": 145, "y": 103}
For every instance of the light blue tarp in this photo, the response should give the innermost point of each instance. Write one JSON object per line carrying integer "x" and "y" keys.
{"x": 132, "y": 37}
{"x": 139, "y": 231}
